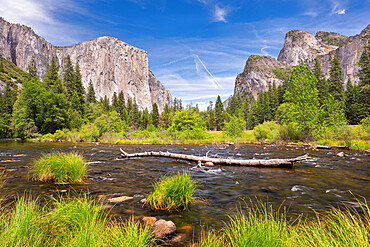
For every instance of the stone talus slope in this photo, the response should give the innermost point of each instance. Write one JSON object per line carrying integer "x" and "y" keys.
{"x": 111, "y": 64}
{"x": 302, "y": 47}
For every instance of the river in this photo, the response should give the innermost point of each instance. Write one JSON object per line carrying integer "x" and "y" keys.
{"x": 319, "y": 183}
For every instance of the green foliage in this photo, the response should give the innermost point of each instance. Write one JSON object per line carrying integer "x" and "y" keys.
{"x": 187, "y": 124}
{"x": 32, "y": 69}
{"x": 110, "y": 122}
{"x": 302, "y": 96}
{"x": 174, "y": 193}
{"x": 155, "y": 115}
{"x": 219, "y": 116}
{"x": 267, "y": 130}
{"x": 90, "y": 133}
{"x": 364, "y": 73}
{"x": 331, "y": 113}
{"x": 322, "y": 85}
{"x": 290, "y": 132}
{"x": 59, "y": 135}
{"x": 335, "y": 82}
{"x": 235, "y": 127}
{"x": 355, "y": 108}
{"x": 90, "y": 96}
{"x": 60, "y": 168}
{"x": 366, "y": 124}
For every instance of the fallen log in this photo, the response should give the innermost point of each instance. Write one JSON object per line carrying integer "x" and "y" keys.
{"x": 221, "y": 161}
{"x": 332, "y": 147}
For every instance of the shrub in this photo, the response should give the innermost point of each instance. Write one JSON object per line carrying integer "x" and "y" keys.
{"x": 290, "y": 131}
{"x": 267, "y": 130}
{"x": 60, "y": 168}
{"x": 174, "y": 193}
{"x": 234, "y": 128}
{"x": 59, "y": 135}
{"x": 89, "y": 133}
{"x": 366, "y": 124}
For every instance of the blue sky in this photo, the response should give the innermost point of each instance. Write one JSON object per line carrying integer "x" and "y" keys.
{"x": 196, "y": 47}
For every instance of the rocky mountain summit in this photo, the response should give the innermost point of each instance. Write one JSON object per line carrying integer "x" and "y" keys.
{"x": 302, "y": 47}
{"x": 111, "y": 64}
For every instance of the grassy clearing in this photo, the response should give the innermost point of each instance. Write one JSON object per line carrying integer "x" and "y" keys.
{"x": 60, "y": 168}
{"x": 174, "y": 193}
{"x": 261, "y": 226}
{"x": 68, "y": 222}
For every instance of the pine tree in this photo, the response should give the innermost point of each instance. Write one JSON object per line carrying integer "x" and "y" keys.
{"x": 364, "y": 73}
{"x": 322, "y": 86}
{"x": 105, "y": 103}
{"x": 354, "y": 110}
{"x": 335, "y": 83}
{"x": 32, "y": 69}
{"x": 122, "y": 106}
{"x": 78, "y": 87}
{"x": 167, "y": 116}
{"x": 155, "y": 115}
{"x": 302, "y": 95}
{"x": 129, "y": 110}
{"x": 51, "y": 79}
{"x": 219, "y": 110}
{"x": 115, "y": 105}
{"x": 135, "y": 113}
{"x": 145, "y": 118}
{"x": 90, "y": 97}
{"x": 69, "y": 77}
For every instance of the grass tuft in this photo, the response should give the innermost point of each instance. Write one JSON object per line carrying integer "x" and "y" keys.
{"x": 131, "y": 234}
{"x": 60, "y": 168}
{"x": 174, "y": 193}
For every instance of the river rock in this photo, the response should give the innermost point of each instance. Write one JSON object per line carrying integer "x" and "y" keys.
{"x": 120, "y": 199}
{"x": 209, "y": 164}
{"x": 341, "y": 154}
{"x": 163, "y": 228}
{"x": 149, "y": 221}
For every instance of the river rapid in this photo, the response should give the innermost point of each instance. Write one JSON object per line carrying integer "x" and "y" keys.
{"x": 323, "y": 181}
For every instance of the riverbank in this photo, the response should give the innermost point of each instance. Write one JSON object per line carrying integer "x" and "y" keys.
{"x": 209, "y": 137}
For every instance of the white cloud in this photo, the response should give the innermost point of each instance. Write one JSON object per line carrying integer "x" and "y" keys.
{"x": 220, "y": 14}
{"x": 342, "y": 12}
{"x": 40, "y": 16}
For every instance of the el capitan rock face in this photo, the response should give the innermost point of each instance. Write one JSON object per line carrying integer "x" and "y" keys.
{"x": 111, "y": 64}
{"x": 302, "y": 47}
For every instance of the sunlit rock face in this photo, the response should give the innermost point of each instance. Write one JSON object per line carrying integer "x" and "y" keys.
{"x": 302, "y": 47}
{"x": 111, "y": 64}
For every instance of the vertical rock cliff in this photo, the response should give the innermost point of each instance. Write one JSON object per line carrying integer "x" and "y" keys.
{"x": 302, "y": 47}
{"x": 111, "y": 64}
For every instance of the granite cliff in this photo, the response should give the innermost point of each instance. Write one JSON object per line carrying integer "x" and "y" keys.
{"x": 302, "y": 47}
{"x": 111, "y": 64}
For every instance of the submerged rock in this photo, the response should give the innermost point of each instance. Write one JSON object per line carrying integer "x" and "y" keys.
{"x": 120, "y": 199}
{"x": 164, "y": 229}
{"x": 341, "y": 154}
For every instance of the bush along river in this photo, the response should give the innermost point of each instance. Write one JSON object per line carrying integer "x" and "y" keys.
{"x": 319, "y": 183}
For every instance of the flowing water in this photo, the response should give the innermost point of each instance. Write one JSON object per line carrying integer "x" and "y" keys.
{"x": 319, "y": 183}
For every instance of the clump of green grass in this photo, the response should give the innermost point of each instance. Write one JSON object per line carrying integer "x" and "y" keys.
{"x": 60, "y": 168}
{"x": 23, "y": 227}
{"x": 259, "y": 225}
{"x": 347, "y": 227}
{"x": 174, "y": 193}
{"x": 131, "y": 234}
{"x": 77, "y": 222}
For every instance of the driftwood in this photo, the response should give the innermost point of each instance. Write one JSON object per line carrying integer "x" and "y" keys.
{"x": 332, "y": 147}
{"x": 221, "y": 161}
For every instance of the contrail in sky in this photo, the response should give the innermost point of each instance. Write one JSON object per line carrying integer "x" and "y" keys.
{"x": 214, "y": 81}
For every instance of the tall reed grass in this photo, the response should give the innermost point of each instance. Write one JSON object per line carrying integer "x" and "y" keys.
{"x": 174, "y": 193}
{"x": 259, "y": 225}
{"x": 68, "y": 222}
{"x": 60, "y": 168}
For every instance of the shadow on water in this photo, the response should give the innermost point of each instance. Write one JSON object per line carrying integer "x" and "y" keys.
{"x": 317, "y": 184}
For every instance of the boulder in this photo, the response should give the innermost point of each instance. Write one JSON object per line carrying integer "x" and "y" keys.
{"x": 149, "y": 221}
{"x": 209, "y": 164}
{"x": 163, "y": 228}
